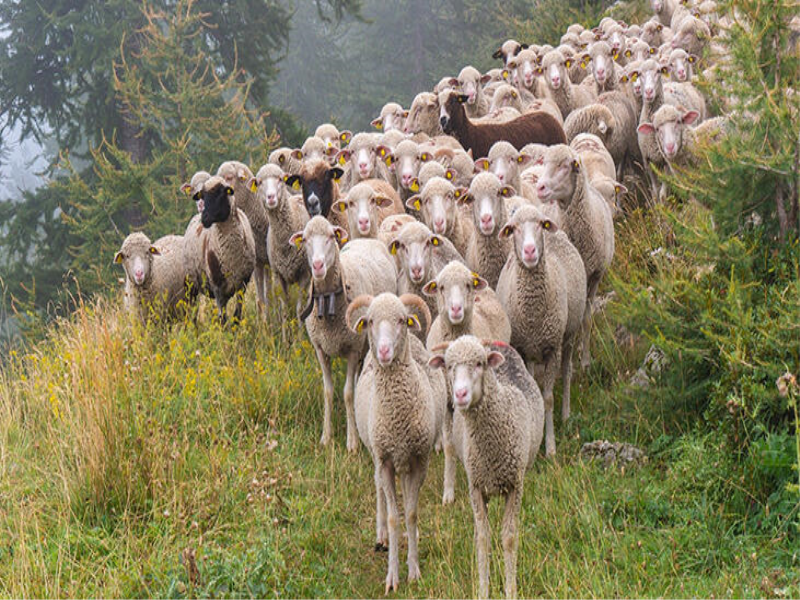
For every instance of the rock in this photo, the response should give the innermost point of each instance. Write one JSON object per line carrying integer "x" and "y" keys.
{"x": 654, "y": 362}
{"x": 620, "y": 454}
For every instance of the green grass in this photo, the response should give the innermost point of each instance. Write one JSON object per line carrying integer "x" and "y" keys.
{"x": 123, "y": 450}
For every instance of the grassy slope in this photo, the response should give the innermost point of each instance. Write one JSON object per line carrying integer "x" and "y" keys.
{"x": 123, "y": 450}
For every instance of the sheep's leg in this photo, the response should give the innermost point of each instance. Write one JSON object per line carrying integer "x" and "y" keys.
{"x": 223, "y": 317}
{"x": 327, "y": 388}
{"x": 388, "y": 485}
{"x": 511, "y": 539}
{"x": 545, "y": 376}
{"x": 412, "y": 482}
{"x": 566, "y": 375}
{"x": 282, "y": 300}
{"x": 586, "y": 325}
{"x": 449, "y": 458}
{"x": 381, "y": 535}
{"x": 653, "y": 181}
{"x": 349, "y": 386}
{"x": 237, "y": 312}
{"x": 258, "y": 276}
{"x": 482, "y": 539}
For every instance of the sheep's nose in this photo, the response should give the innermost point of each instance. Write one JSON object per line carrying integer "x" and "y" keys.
{"x": 671, "y": 147}
{"x": 529, "y": 250}
{"x": 416, "y": 272}
{"x": 363, "y": 224}
{"x": 407, "y": 177}
{"x": 601, "y": 72}
{"x": 501, "y": 176}
{"x": 383, "y": 351}
{"x": 455, "y": 310}
{"x": 682, "y": 74}
{"x": 438, "y": 225}
{"x": 461, "y": 395}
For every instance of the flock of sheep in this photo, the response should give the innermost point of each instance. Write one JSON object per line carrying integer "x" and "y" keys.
{"x": 452, "y": 258}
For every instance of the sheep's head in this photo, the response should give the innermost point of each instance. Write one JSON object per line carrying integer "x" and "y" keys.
{"x": 315, "y": 148}
{"x": 412, "y": 249}
{"x": 436, "y": 204}
{"x": 525, "y": 64}
{"x": 269, "y": 185}
{"x": 406, "y": 161}
{"x": 506, "y": 95}
{"x": 487, "y": 196}
{"x": 451, "y": 111}
{"x": 361, "y": 207}
{"x": 504, "y": 161}
{"x": 422, "y": 113}
{"x": 361, "y": 154}
{"x": 136, "y": 257}
{"x": 392, "y": 117}
{"x": 602, "y": 61}
{"x": 467, "y": 362}
{"x": 454, "y": 289}
{"x": 554, "y": 68}
{"x": 509, "y": 49}
{"x": 681, "y": 64}
{"x": 194, "y": 187}
{"x": 236, "y": 175}
{"x": 668, "y": 125}
{"x": 321, "y": 242}
{"x": 330, "y": 134}
{"x": 562, "y": 167}
{"x": 631, "y": 76}
{"x": 217, "y": 201}
{"x": 287, "y": 159}
{"x": 692, "y": 35}
{"x": 386, "y": 322}
{"x": 650, "y": 72}
{"x": 318, "y": 180}
{"x": 528, "y": 227}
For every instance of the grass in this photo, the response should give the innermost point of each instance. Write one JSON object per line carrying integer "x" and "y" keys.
{"x": 181, "y": 461}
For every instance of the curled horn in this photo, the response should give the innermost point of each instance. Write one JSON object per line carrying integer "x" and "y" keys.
{"x": 358, "y": 302}
{"x": 419, "y": 304}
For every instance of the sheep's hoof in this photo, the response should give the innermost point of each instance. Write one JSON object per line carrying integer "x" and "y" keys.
{"x": 325, "y": 439}
{"x": 392, "y": 581}
{"x": 381, "y": 547}
{"x": 352, "y": 445}
{"x": 448, "y": 497}
{"x": 413, "y": 573}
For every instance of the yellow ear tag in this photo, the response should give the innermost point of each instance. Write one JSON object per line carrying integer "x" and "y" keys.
{"x": 229, "y": 191}
{"x": 476, "y": 282}
{"x": 575, "y": 164}
{"x": 343, "y": 137}
{"x": 546, "y": 225}
{"x": 448, "y": 174}
{"x": 253, "y": 186}
{"x": 432, "y": 285}
{"x": 583, "y": 64}
{"x": 505, "y": 74}
{"x": 383, "y": 151}
{"x": 457, "y": 193}
{"x": 414, "y": 187}
{"x": 388, "y": 161}
{"x": 393, "y": 248}
{"x": 342, "y": 207}
{"x": 616, "y": 56}
{"x": 410, "y": 321}
{"x": 627, "y": 53}
{"x": 118, "y": 258}
{"x": 378, "y": 125}
{"x": 634, "y": 76}
{"x": 616, "y": 189}
{"x": 298, "y": 242}
{"x": 153, "y": 250}
{"x": 435, "y": 241}
{"x": 281, "y": 159}
{"x": 424, "y": 157}
{"x": 504, "y": 191}
{"x": 295, "y": 185}
{"x": 417, "y": 205}
{"x": 519, "y": 158}
{"x": 360, "y": 325}
{"x": 513, "y": 94}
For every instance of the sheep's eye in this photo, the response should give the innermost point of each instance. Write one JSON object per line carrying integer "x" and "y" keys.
{"x": 478, "y": 365}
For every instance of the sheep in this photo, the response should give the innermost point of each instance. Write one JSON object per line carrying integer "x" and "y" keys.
{"x": 692, "y": 35}
{"x": 506, "y": 162}
{"x": 631, "y": 86}
{"x": 423, "y": 116}
{"x": 319, "y": 183}
{"x": 360, "y": 161}
{"x": 436, "y": 204}
{"x": 459, "y": 165}
{"x": 618, "y": 42}
{"x": 392, "y": 138}
{"x": 332, "y": 136}
{"x": 664, "y": 10}
{"x": 594, "y": 118}
{"x": 543, "y": 290}
{"x": 419, "y": 256}
{"x": 367, "y": 204}
{"x": 529, "y": 128}
{"x": 315, "y": 148}
{"x": 508, "y": 96}
{"x": 508, "y": 49}
{"x": 228, "y": 247}
{"x": 156, "y": 278}
{"x": 594, "y": 156}
{"x": 681, "y": 65}
{"x": 286, "y": 215}
{"x": 469, "y": 82}
{"x": 195, "y": 185}
{"x": 291, "y": 161}
{"x": 400, "y": 408}
{"x": 237, "y": 175}
{"x": 466, "y": 306}
{"x": 639, "y": 51}
{"x": 561, "y": 90}
{"x": 588, "y": 222}
{"x": 391, "y": 118}
{"x": 360, "y": 267}
{"x": 405, "y": 162}
{"x": 605, "y": 73}
{"x": 610, "y": 189}
{"x": 497, "y": 432}
{"x": 391, "y": 226}
{"x": 677, "y": 141}
{"x": 525, "y": 64}
{"x": 655, "y": 34}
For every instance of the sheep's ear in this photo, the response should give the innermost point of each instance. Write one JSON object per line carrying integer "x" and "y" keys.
{"x": 497, "y": 53}
{"x": 619, "y": 189}
{"x": 429, "y": 289}
{"x": 538, "y": 71}
{"x": 690, "y": 117}
{"x": 358, "y": 327}
{"x": 505, "y": 73}
{"x": 494, "y": 359}
{"x": 298, "y": 154}
{"x": 377, "y": 123}
{"x": 585, "y": 59}
{"x": 576, "y": 165}
{"x": 335, "y": 173}
{"x": 294, "y": 182}
{"x": 507, "y": 191}
{"x": 450, "y": 175}
{"x": 382, "y": 201}
{"x": 691, "y": 58}
{"x": 478, "y": 282}
{"x": 568, "y": 62}
{"x": 464, "y": 197}
{"x": 382, "y": 151}
{"x": 197, "y": 196}
{"x": 154, "y": 251}
{"x": 548, "y": 225}
{"x": 524, "y": 159}
{"x": 389, "y": 160}
{"x": 253, "y": 184}
{"x": 482, "y": 164}
{"x": 436, "y": 361}
{"x": 634, "y": 75}
{"x": 652, "y": 50}
{"x": 458, "y": 192}
{"x": 394, "y": 246}
{"x": 659, "y": 27}
{"x": 341, "y": 235}
{"x": 436, "y": 241}
{"x": 454, "y": 82}
{"x": 297, "y": 239}
{"x": 345, "y": 136}
{"x": 628, "y": 53}
{"x": 646, "y": 128}
{"x": 405, "y": 114}
{"x": 665, "y": 70}
{"x": 462, "y": 98}
{"x": 512, "y": 64}
{"x": 413, "y": 323}
{"x": 118, "y": 258}
{"x": 521, "y": 47}
{"x": 485, "y": 79}
{"x": 425, "y": 156}
{"x": 623, "y": 79}
{"x": 414, "y": 185}
{"x": 342, "y": 206}
{"x": 343, "y": 156}
{"x": 414, "y": 203}
{"x": 229, "y": 190}
{"x": 241, "y": 174}
{"x": 507, "y": 231}
{"x": 186, "y": 188}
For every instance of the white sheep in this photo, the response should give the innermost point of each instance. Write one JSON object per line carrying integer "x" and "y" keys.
{"x": 543, "y": 290}
{"x": 497, "y": 432}
{"x": 367, "y": 204}
{"x": 391, "y": 118}
{"x": 436, "y": 203}
{"x": 560, "y": 88}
